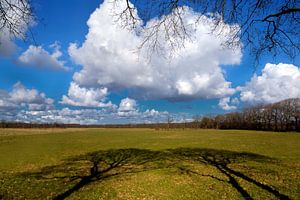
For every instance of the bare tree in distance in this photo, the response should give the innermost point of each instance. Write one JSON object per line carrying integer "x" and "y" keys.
{"x": 15, "y": 18}
{"x": 266, "y": 26}
{"x": 169, "y": 121}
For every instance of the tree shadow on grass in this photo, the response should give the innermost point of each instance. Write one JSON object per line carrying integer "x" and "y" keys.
{"x": 220, "y": 159}
{"x": 102, "y": 165}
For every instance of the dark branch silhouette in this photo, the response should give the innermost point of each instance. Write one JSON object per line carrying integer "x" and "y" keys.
{"x": 265, "y": 26}
{"x": 15, "y": 18}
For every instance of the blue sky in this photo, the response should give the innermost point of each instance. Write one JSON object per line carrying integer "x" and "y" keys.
{"x": 49, "y": 85}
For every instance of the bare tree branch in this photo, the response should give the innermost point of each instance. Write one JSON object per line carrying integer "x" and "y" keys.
{"x": 264, "y": 26}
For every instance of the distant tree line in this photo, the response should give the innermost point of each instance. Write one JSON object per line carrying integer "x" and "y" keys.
{"x": 280, "y": 116}
{"x": 4, "y": 124}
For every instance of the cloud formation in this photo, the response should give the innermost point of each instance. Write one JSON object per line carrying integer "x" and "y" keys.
{"x": 37, "y": 56}
{"x": 86, "y": 116}
{"x": 29, "y": 105}
{"x": 80, "y": 96}
{"x": 108, "y": 60}
{"x": 127, "y": 107}
{"x": 276, "y": 83}
{"x": 22, "y": 98}
{"x": 228, "y": 104}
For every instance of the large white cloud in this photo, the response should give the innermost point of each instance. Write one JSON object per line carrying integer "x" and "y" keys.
{"x": 276, "y": 83}
{"x": 80, "y": 96}
{"x": 37, "y": 56}
{"x": 108, "y": 59}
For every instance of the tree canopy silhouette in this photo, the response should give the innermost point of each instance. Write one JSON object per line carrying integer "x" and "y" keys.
{"x": 15, "y": 17}
{"x": 266, "y": 26}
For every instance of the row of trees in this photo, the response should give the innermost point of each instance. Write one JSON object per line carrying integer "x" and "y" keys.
{"x": 280, "y": 116}
{"x": 5, "y": 124}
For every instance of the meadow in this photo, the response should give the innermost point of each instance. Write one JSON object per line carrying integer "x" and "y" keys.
{"x": 148, "y": 164}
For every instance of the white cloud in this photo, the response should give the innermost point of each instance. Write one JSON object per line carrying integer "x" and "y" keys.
{"x": 80, "y": 96}
{"x": 29, "y": 105}
{"x": 86, "y": 116}
{"x": 151, "y": 112}
{"x": 5, "y": 103}
{"x": 127, "y": 107}
{"x": 23, "y": 98}
{"x": 37, "y": 56}
{"x": 225, "y": 102}
{"x": 276, "y": 83}
{"x": 127, "y": 104}
{"x": 109, "y": 61}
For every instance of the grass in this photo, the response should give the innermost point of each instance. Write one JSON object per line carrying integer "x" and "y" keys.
{"x": 148, "y": 164}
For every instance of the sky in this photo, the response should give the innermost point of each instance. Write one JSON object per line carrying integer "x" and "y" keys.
{"x": 81, "y": 67}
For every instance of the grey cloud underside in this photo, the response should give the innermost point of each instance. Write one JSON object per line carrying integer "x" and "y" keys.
{"x": 7, "y": 46}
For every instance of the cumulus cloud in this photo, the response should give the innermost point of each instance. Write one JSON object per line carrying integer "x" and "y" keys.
{"x": 228, "y": 104}
{"x": 37, "y": 56}
{"x": 127, "y": 107}
{"x": 5, "y": 103}
{"x": 108, "y": 59}
{"x": 80, "y": 96}
{"x": 22, "y": 98}
{"x": 87, "y": 116}
{"x": 276, "y": 83}
{"x": 29, "y": 105}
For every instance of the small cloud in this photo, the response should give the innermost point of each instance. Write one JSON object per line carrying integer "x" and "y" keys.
{"x": 81, "y": 96}
{"x": 225, "y": 102}
{"x": 127, "y": 107}
{"x": 37, "y": 56}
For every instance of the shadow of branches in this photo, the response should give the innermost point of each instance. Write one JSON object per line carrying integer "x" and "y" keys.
{"x": 82, "y": 170}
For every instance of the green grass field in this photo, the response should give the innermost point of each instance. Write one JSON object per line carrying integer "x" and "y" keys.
{"x": 148, "y": 164}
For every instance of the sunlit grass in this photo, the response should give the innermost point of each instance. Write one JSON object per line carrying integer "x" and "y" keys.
{"x": 154, "y": 164}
